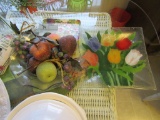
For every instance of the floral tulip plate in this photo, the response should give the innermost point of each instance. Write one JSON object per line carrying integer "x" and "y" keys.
{"x": 116, "y": 57}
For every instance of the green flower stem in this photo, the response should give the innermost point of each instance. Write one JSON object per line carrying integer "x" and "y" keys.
{"x": 113, "y": 78}
{"x": 116, "y": 76}
{"x": 118, "y": 81}
{"x": 96, "y": 69}
{"x": 110, "y": 79}
{"x": 128, "y": 80}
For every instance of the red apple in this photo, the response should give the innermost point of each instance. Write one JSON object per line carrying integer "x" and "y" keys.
{"x": 40, "y": 51}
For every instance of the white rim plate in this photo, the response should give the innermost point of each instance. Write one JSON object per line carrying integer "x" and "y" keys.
{"x": 47, "y": 110}
{"x": 49, "y": 96}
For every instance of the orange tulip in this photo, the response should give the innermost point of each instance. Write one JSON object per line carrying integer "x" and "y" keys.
{"x": 91, "y": 58}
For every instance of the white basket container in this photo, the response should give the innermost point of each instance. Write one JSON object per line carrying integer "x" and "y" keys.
{"x": 87, "y": 19}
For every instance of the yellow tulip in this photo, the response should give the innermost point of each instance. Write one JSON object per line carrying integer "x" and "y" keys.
{"x": 114, "y": 56}
{"x": 108, "y": 39}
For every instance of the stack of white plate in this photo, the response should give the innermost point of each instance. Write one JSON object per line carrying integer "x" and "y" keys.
{"x": 4, "y": 101}
{"x": 47, "y": 106}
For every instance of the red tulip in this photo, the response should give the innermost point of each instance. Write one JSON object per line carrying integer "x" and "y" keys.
{"x": 123, "y": 44}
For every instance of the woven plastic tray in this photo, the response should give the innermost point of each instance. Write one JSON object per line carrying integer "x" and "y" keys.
{"x": 98, "y": 103}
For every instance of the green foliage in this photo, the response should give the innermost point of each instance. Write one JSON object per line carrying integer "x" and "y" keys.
{"x": 132, "y": 36}
{"x": 88, "y": 35}
{"x": 99, "y": 36}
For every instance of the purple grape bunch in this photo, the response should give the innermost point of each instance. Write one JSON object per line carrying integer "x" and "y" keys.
{"x": 21, "y": 47}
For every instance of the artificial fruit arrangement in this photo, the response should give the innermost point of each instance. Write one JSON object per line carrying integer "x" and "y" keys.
{"x": 48, "y": 56}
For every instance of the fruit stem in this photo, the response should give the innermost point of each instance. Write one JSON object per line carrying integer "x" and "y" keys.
{"x": 35, "y": 34}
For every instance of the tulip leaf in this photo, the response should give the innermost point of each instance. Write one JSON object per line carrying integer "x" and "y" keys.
{"x": 123, "y": 74}
{"x": 106, "y": 32}
{"x": 133, "y": 69}
{"x": 136, "y": 44}
{"x": 99, "y": 36}
{"x": 86, "y": 47}
{"x": 88, "y": 35}
{"x": 132, "y": 36}
{"x": 89, "y": 72}
{"x": 96, "y": 69}
{"x": 104, "y": 63}
{"x": 112, "y": 32}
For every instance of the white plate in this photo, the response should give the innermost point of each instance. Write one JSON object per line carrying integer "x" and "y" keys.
{"x": 5, "y": 107}
{"x": 47, "y": 110}
{"x": 47, "y": 106}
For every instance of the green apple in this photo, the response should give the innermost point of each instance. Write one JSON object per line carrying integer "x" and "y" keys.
{"x": 46, "y": 72}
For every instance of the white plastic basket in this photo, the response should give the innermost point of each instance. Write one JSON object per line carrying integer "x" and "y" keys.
{"x": 98, "y": 103}
{"x": 87, "y": 19}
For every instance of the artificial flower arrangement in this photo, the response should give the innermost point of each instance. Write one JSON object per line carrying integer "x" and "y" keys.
{"x": 114, "y": 57}
{"x": 23, "y": 5}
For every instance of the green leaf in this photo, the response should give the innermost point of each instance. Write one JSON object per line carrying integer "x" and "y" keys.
{"x": 112, "y": 32}
{"x": 133, "y": 69}
{"x": 132, "y": 36}
{"x": 97, "y": 70}
{"x": 89, "y": 72}
{"x": 123, "y": 74}
{"x": 51, "y": 41}
{"x": 99, "y": 36}
{"x": 104, "y": 64}
{"x": 88, "y": 35}
{"x": 14, "y": 28}
{"x": 106, "y": 32}
{"x": 46, "y": 34}
{"x": 86, "y": 47}
{"x": 136, "y": 44}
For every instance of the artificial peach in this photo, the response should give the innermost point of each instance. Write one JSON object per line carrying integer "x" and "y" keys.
{"x": 40, "y": 51}
{"x": 53, "y": 36}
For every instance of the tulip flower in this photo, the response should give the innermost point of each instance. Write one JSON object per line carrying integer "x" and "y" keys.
{"x": 91, "y": 58}
{"x": 94, "y": 44}
{"x": 108, "y": 40}
{"x": 114, "y": 56}
{"x": 123, "y": 44}
{"x": 133, "y": 57}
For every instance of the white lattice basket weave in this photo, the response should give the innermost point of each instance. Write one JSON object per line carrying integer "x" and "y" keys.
{"x": 99, "y": 103}
{"x": 87, "y": 19}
